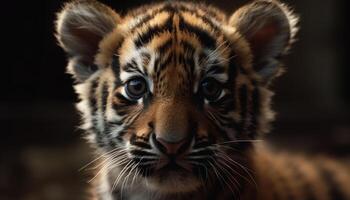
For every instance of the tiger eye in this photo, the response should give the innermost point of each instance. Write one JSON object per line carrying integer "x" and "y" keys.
{"x": 211, "y": 89}
{"x": 136, "y": 88}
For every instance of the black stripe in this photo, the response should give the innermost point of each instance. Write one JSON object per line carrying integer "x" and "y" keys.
{"x": 146, "y": 37}
{"x": 123, "y": 104}
{"x": 131, "y": 68}
{"x": 205, "y": 19}
{"x": 133, "y": 62}
{"x": 145, "y": 57}
{"x": 205, "y": 152}
{"x": 104, "y": 96}
{"x": 93, "y": 105}
{"x": 233, "y": 70}
{"x": 227, "y": 122}
{"x": 225, "y": 104}
{"x": 144, "y": 21}
{"x": 156, "y": 68}
{"x": 172, "y": 8}
{"x": 166, "y": 45}
{"x": 116, "y": 65}
{"x": 255, "y": 112}
{"x": 205, "y": 38}
{"x": 141, "y": 144}
{"x": 165, "y": 62}
{"x": 190, "y": 68}
{"x": 137, "y": 152}
{"x": 92, "y": 96}
{"x": 188, "y": 46}
{"x": 147, "y": 100}
{"x": 202, "y": 57}
{"x": 243, "y": 99}
{"x": 201, "y": 143}
{"x": 121, "y": 134}
{"x": 118, "y": 123}
{"x": 216, "y": 69}
{"x": 167, "y": 7}
{"x": 124, "y": 100}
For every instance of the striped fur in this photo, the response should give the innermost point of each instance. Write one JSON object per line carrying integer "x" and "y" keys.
{"x": 174, "y": 48}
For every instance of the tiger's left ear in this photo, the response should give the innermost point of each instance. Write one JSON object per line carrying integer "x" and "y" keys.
{"x": 269, "y": 27}
{"x": 80, "y": 27}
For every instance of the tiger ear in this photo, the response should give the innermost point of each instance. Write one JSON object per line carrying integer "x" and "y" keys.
{"x": 269, "y": 27}
{"x": 80, "y": 26}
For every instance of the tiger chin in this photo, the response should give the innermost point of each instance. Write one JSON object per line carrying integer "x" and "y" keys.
{"x": 175, "y": 98}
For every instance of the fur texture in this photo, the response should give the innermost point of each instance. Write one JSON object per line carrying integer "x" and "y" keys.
{"x": 174, "y": 97}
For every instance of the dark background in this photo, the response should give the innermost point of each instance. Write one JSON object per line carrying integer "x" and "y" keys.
{"x": 41, "y": 148}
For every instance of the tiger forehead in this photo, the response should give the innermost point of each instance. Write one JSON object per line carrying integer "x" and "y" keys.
{"x": 171, "y": 26}
{"x": 172, "y": 35}
{"x": 202, "y": 9}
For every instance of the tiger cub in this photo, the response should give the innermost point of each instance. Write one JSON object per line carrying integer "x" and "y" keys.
{"x": 174, "y": 95}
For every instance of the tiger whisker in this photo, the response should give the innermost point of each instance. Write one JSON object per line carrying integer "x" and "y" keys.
{"x": 219, "y": 175}
{"x": 146, "y": 157}
{"x": 107, "y": 166}
{"x": 118, "y": 161}
{"x": 136, "y": 173}
{"x": 230, "y": 178}
{"x": 120, "y": 175}
{"x": 149, "y": 163}
{"x": 126, "y": 179}
{"x": 197, "y": 150}
{"x": 113, "y": 157}
{"x": 97, "y": 174}
{"x": 103, "y": 168}
{"x": 215, "y": 146}
{"x": 215, "y": 51}
{"x": 232, "y": 169}
{"x": 246, "y": 170}
{"x": 141, "y": 149}
{"x": 99, "y": 157}
{"x": 237, "y": 141}
{"x": 223, "y": 60}
{"x": 196, "y": 157}
{"x": 213, "y": 117}
{"x": 201, "y": 164}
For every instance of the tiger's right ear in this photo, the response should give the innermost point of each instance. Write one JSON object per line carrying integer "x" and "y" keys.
{"x": 80, "y": 27}
{"x": 269, "y": 27}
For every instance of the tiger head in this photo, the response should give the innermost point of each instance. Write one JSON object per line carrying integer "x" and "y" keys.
{"x": 173, "y": 94}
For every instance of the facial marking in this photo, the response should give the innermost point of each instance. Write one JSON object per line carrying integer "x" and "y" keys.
{"x": 183, "y": 50}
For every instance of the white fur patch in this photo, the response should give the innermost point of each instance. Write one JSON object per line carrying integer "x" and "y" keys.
{"x": 83, "y": 90}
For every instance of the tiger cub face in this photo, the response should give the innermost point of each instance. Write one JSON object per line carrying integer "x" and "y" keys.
{"x": 172, "y": 93}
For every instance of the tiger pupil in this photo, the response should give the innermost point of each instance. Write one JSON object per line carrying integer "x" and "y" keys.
{"x": 136, "y": 86}
{"x": 211, "y": 89}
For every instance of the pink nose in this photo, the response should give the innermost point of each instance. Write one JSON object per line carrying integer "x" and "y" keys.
{"x": 171, "y": 147}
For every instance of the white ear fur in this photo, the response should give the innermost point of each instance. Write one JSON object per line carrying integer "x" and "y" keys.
{"x": 270, "y": 28}
{"x": 80, "y": 27}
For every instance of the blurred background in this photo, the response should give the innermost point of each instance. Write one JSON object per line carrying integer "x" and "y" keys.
{"x": 41, "y": 149}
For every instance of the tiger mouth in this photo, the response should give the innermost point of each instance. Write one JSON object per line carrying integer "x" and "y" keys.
{"x": 168, "y": 166}
{"x": 174, "y": 166}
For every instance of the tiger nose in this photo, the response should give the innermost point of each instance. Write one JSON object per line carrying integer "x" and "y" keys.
{"x": 171, "y": 146}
